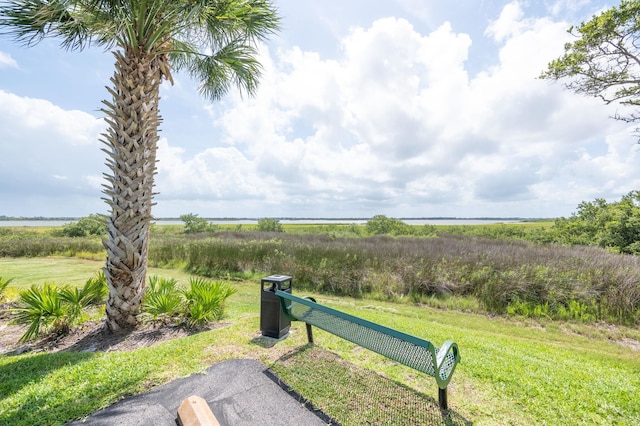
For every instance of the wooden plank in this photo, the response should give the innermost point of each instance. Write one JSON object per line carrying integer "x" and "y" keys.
{"x": 194, "y": 411}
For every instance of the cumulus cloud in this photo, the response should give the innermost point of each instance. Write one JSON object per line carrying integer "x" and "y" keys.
{"x": 396, "y": 120}
{"x": 6, "y": 61}
{"x": 46, "y": 151}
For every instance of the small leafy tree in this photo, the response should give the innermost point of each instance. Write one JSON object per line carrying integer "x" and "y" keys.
{"x": 267, "y": 224}
{"x": 383, "y": 225}
{"x": 194, "y": 224}
{"x": 93, "y": 224}
{"x": 604, "y": 61}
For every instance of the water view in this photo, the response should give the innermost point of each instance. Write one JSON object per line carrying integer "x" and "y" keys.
{"x": 328, "y": 221}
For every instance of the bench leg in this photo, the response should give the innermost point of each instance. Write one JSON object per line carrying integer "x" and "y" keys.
{"x": 309, "y": 333}
{"x": 442, "y": 399}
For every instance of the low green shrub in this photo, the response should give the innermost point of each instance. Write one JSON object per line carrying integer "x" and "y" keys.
{"x": 163, "y": 300}
{"x": 202, "y": 302}
{"x": 205, "y": 301}
{"x": 94, "y": 224}
{"x": 267, "y": 224}
{"x": 194, "y": 224}
{"x": 52, "y": 309}
{"x": 4, "y": 283}
{"x": 42, "y": 309}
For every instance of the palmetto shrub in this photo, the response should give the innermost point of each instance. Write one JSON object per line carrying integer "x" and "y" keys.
{"x": 201, "y": 302}
{"x": 77, "y": 300}
{"x": 42, "y": 309}
{"x": 163, "y": 300}
{"x": 4, "y": 283}
{"x": 205, "y": 301}
{"x": 49, "y": 308}
{"x": 95, "y": 289}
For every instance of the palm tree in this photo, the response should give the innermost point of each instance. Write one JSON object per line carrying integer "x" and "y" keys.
{"x": 214, "y": 41}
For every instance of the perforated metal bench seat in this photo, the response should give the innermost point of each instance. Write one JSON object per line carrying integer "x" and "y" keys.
{"x": 406, "y": 349}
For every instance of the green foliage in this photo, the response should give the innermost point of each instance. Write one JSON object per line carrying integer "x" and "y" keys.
{"x": 267, "y": 224}
{"x": 93, "y": 224}
{"x": 4, "y": 283}
{"x": 49, "y": 308}
{"x": 604, "y": 60}
{"x": 163, "y": 300}
{"x": 77, "y": 300}
{"x": 383, "y": 225}
{"x": 75, "y": 303}
{"x": 202, "y": 302}
{"x": 95, "y": 290}
{"x": 598, "y": 376}
{"x": 41, "y": 308}
{"x": 206, "y": 301}
{"x": 194, "y": 224}
{"x": 615, "y": 225}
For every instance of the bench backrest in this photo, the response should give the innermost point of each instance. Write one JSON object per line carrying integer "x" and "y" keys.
{"x": 406, "y": 349}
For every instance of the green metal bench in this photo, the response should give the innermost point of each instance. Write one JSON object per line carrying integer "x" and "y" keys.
{"x": 411, "y": 351}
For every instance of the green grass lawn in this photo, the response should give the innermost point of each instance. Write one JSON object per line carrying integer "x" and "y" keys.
{"x": 513, "y": 371}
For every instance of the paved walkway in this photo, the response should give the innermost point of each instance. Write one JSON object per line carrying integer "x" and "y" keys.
{"x": 240, "y": 392}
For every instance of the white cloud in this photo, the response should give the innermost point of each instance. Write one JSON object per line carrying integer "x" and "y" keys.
{"x": 397, "y": 119}
{"x": 510, "y": 22}
{"x": 41, "y": 121}
{"x": 571, "y": 6}
{"x": 6, "y": 61}
{"x": 47, "y": 151}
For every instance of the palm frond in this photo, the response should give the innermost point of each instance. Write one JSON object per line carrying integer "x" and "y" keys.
{"x": 40, "y": 308}
{"x": 76, "y": 23}
{"x": 4, "y": 283}
{"x": 205, "y": 301}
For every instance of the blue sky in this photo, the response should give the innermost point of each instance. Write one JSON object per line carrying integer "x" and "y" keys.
{"x": 409, "y": 108}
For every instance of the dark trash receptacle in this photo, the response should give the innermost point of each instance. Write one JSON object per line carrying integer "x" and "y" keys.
{"x": 273, "y": 321}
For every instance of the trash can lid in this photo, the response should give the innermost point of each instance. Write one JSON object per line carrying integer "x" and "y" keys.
{"x": 277, "y": 278}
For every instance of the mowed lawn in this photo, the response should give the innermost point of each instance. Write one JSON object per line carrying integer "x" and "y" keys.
{"x": 62, "y": 271}
{"x": 513, "y": 371}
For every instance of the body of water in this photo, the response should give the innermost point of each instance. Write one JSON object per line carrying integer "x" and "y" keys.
{"x": 426, "y": 221}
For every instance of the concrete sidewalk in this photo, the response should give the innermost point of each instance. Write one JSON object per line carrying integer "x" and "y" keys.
{"x": 239, "y": 392}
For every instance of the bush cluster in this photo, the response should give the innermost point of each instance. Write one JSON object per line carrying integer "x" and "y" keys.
{"x": 94, "y": 224}
{"x": 195, "y": 225}
{"x": 52, "y": 309}
{"x": 201, "y": 302}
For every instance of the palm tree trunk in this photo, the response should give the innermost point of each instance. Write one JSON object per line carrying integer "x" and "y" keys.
{"x": 131, "y": 138}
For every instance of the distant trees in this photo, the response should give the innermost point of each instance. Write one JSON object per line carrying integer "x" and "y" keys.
{"x": 267, "y": 224}
{"x": 614, "y": 225}
{"x": 94, "y": 224}
{"x": 383, "y": 225}
{"x": 194, "y": 224}
{"x": 604, "y": 62}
